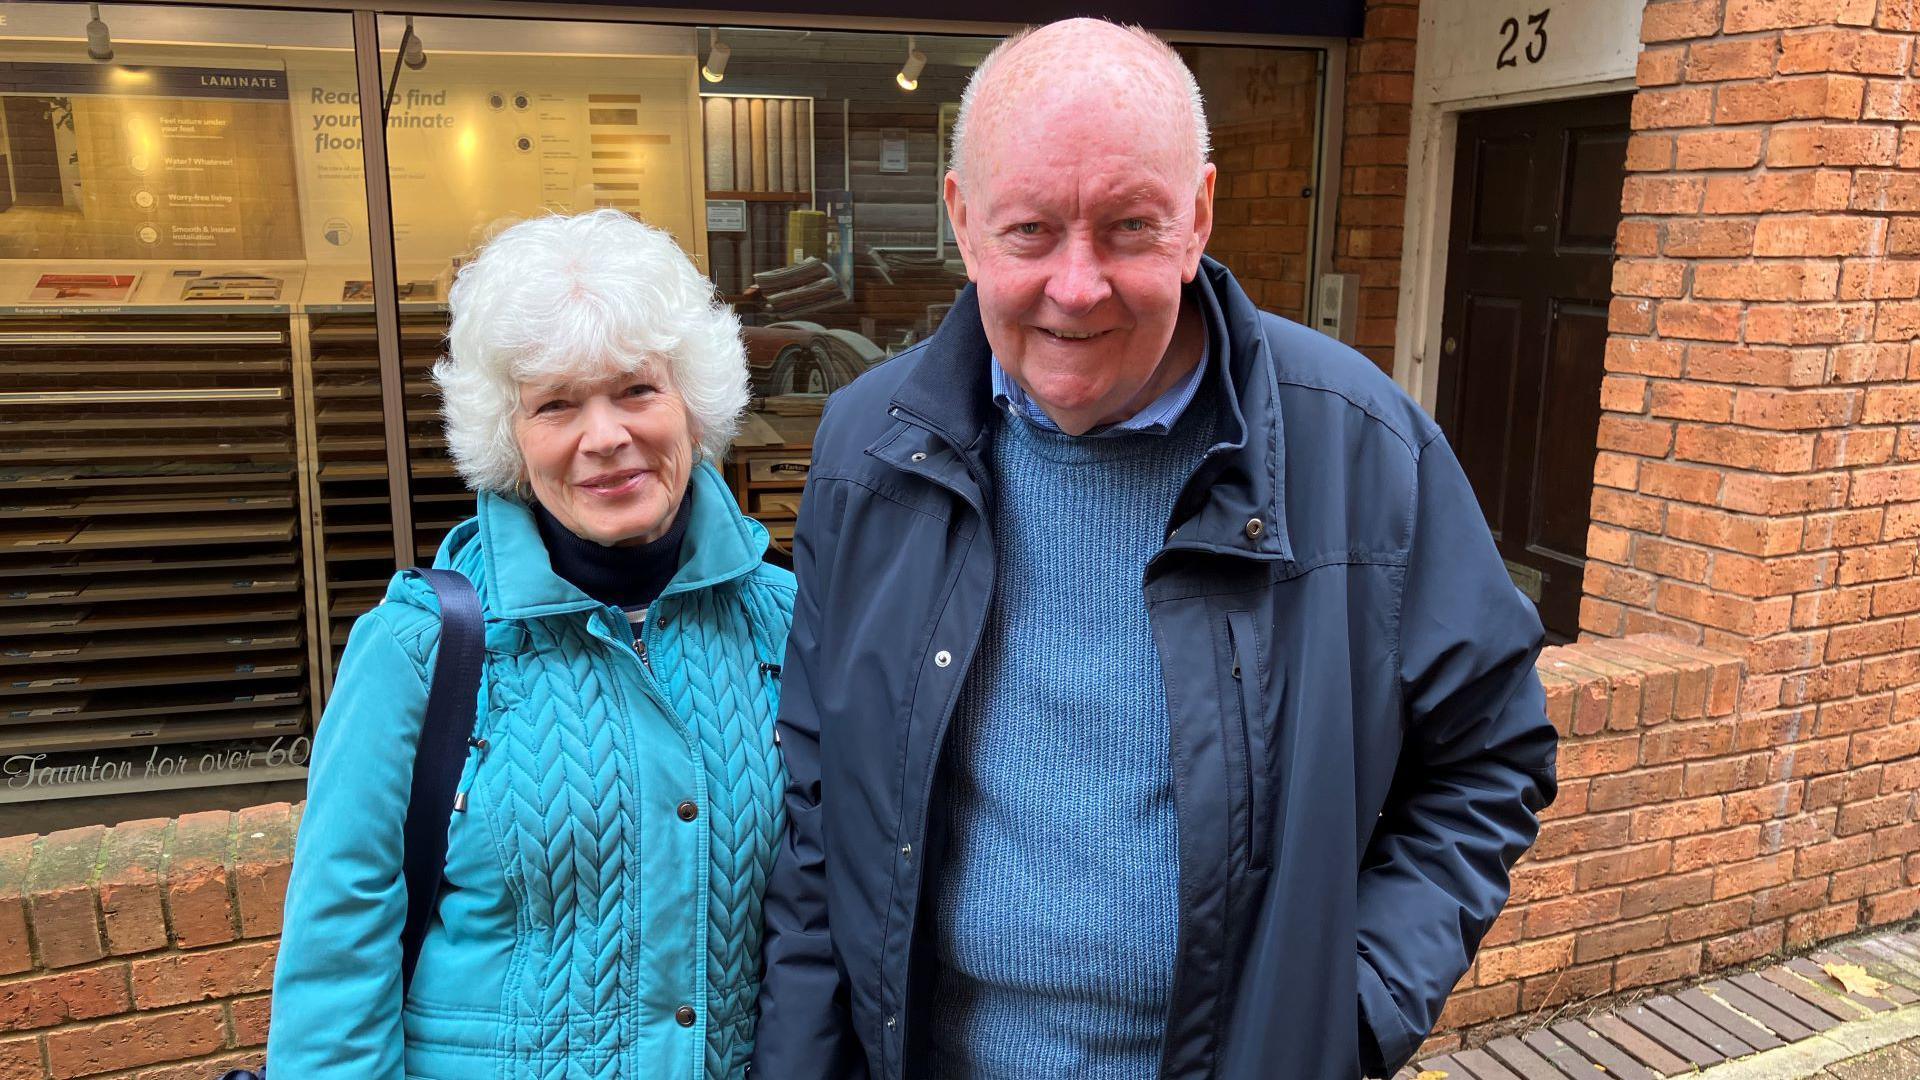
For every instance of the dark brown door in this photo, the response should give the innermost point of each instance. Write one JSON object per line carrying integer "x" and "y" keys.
{"x": 1536, "y": 198}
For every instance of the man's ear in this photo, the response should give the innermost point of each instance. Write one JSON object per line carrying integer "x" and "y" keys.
{"x": 1202, "y": 219}
{"x": 957, "y": 213}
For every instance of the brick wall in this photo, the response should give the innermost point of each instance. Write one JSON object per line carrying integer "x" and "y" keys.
{"x": 1373, "y": 169}
{"x": 1686, "y": 837}
{"x": 143, "y": 951}
{"x": 1758, "y": 486}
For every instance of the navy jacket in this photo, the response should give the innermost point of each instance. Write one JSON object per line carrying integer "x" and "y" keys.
{"x": 1359, "y": 740}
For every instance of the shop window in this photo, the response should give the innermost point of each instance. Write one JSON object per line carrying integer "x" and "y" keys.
{"x": 194, "y": 494}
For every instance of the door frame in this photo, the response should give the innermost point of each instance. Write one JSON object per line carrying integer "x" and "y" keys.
{"x": 1423, "y": 259}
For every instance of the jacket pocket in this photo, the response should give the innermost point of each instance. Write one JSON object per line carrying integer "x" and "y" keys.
{"x": 1256, "y": 737}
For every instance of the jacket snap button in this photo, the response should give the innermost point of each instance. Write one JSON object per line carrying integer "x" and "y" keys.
{"x": 1254, "y": 528}
{"x": 890, "y": 1021}
{"x": 919, "y": 455}
{"x": 906, "y": 851}
{"x": 684, "y": 1014}
{"x": 942, "y": 658}
{"x": 688, "y": 811}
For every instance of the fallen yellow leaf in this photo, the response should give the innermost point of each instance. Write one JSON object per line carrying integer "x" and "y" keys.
{"x": 1433, "y": 1074}
{"x": 1855, "y": 979}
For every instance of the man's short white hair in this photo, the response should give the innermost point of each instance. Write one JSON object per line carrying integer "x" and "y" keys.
{"x": 580, "y": 298}
{"x": 1032, "y": 69}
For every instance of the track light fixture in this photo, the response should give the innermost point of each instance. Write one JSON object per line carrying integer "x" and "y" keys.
{"x": 718, "y": 53}
{"x": 909, "y": 77}
{"x": 99, "y": 41}
{"x": 412, "y": 53}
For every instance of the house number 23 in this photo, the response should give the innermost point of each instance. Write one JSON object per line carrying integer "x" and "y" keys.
{"x": 1536, "y": 47}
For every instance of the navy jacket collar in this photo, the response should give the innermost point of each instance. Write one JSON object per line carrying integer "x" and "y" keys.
{"x": 949, "y": 390}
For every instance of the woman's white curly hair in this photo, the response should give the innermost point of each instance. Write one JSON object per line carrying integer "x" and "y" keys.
{"x": 582, "y": 298}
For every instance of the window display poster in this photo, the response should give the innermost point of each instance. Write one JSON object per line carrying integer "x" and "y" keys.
{"x": 114, "y": 162}
{"x": 83, "y": 288}
{"x": 476, "y": 142}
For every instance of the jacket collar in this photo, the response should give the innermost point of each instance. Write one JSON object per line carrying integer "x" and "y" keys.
{"x": 517, "y": 578}
{"x": 1243, "y": 477}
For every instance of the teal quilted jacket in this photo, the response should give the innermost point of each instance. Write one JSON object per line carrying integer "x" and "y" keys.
{"x": 587, "y": 929}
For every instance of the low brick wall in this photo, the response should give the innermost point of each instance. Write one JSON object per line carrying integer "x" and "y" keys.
{"x": 1686, "y": 838}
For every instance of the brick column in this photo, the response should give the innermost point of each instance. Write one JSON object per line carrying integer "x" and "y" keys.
{"x": 1372, "y": 206}
{"x": 1758, "y": 486}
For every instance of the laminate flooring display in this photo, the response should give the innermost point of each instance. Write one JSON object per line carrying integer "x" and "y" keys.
{"x": 151, "y": 584}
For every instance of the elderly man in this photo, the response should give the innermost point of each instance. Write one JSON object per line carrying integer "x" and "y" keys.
{"x": 1156, "y": 703}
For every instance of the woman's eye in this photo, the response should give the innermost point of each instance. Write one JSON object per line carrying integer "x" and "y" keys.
{"x": 553, "y": 406}
{"x": 641, "y": 389}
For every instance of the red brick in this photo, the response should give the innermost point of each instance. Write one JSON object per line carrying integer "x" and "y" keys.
{"x": 1865, "y": 880}
{"x": 1552, "y": 918}
{"x": 63, "y": 904}
{"x": 1875, "y": 362}
{"x": 1711, "y": 920}
{"x": 1893, "y": 907}
{"x": 199, "y": 891}
{"x": 1880, "y": 190}
{"x": 1660, "y": 67}
{"x": 1629, "y": 435}
{"x": 1721, "y": 60}
{"x": 138, "y": 1040}
{"x": 1652, "y": 969}
{"x": 1744, "y": 16}
{"x": 181, "y": 978}
{"x": 1792, "y": 98}
{"x": 1742, "y": 449}
{"x": 1880, "y": 279}
{"x": 1698, "y": 321}
{"x": 1819, "y": 235}
{"x": 1890, "y": 99}
{"x": 1777, "y": 192}
{"x": 1809, "y": 324}
{"x": 1879, "y": 813}
{"x": 1746, "y": 945}
{"x": 1798, "y": 146}
{"x": 130, "y": 886}
{"x": 1662, "y": 195}
{"x": 76, "y": 994}
{"x": 1761, "y": 873}
{"x": 1691, "y": 401}
{"x": 1735, "y": 845}
{"x": 1711, "y": 238}
{"x": 1607, "y": 942}
{"x": 1677, "y": 20}
{"x": 1756, "y": 366}
{"x": 1556, "y": 988}
{"x": 1666, "y": 893}
{"x": 1625, "y": 865}
{"x": 1739, "y": 149}
{"x": 1530, "y": 958}
{"x": 1805, "y": 280}
{"x": 1637, "y": 237}
{"x": 1649, "y": 277}
{"x": 1641, "y": 356}
{"x": 16, "y": 856}
{"x": 1843, "y": 50}
{"x": 1650, "y": 153}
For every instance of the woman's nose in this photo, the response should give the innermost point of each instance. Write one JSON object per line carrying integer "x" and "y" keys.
{"x": 602, "y": 430}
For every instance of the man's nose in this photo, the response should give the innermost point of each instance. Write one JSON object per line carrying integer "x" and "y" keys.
{"x": 602, "y": 430}
{"x": 1080, "y": 283}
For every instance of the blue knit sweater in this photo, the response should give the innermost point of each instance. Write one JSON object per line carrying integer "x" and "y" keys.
{"x": 1057, "y": 906}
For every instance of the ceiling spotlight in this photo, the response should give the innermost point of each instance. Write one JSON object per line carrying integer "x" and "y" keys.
{"x": 909, "y": 77}
{"x": 99, "y": 42}
{"x": 412, "y": 53}
{"x": 718, "y": 52}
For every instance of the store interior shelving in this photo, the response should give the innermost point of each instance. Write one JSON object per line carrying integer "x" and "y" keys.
{"x": 151, "y": 584}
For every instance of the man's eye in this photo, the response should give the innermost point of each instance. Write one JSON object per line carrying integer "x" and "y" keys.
{"x": 1133, "y": 224}
{"x": 1028, "y": 228}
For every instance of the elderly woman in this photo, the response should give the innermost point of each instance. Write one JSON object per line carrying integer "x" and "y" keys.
{"x": 601, "y": 912}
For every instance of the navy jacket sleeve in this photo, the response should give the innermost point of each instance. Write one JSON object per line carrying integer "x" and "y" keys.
{"x": 806, "y": 1029}
{"x": 1475, "y": 770}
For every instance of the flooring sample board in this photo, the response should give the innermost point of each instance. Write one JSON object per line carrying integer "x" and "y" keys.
{"x": 757, "y": 110}
{"x": 789, "y": 146}
{"x": 719, "y": 144}
{"x": 742, "y": 145}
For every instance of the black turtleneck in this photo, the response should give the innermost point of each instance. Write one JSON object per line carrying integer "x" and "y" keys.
{"x": 625, "y": 577}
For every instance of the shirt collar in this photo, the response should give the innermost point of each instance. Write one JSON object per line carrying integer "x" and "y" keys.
{"x": 1157, "y": 418}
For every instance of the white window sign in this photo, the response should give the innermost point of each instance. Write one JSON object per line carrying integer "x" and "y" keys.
{"x": 893, "y": 151}
{"x": 726, "y": 215}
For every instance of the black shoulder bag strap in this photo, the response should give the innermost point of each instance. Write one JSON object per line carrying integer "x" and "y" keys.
{"x": 452, "y": 700}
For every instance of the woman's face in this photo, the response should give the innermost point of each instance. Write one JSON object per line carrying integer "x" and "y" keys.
{"x": 608, "y": 458}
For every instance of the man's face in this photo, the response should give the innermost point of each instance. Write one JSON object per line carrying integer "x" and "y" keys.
{"x": 1079, "y": 225}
